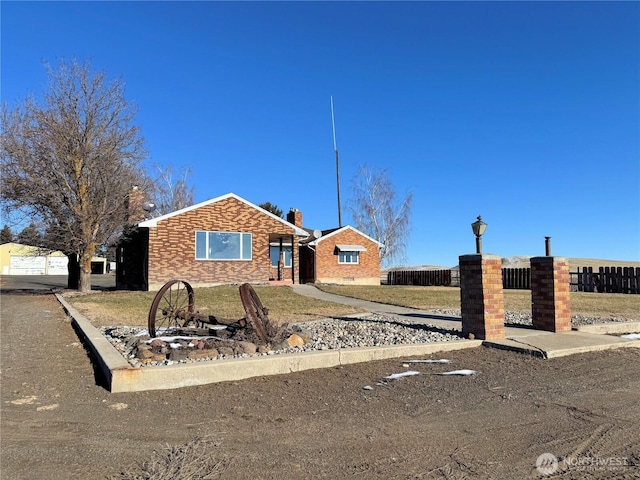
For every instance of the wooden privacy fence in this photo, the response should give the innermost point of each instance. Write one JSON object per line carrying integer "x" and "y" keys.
{"x": 606, "y": 279}
{"x": 512, "y": 278}
{"x": 419, "y": 277}
{"x": 516, "y": 278}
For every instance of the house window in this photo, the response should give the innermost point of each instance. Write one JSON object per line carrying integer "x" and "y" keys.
{"x": 348, "y": 257}
{"x": 274, "y": 254}
{"x": 223, "y": 246}
{"x": 349, "y": 254}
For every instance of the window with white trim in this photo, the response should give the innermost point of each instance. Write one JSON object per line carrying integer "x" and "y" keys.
{"x": 349, "y": 254}
{"x": 223, "y": 246}
{"x": 348, "y": 257}
{"x": 274, "y": 254}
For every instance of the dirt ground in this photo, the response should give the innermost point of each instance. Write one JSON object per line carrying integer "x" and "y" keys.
{"x": 59, "y": 422}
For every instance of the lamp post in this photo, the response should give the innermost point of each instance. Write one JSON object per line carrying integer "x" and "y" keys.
{"x": 478, "y": 228}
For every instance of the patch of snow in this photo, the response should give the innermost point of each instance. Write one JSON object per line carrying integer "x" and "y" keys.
{"x": 173, "y": 339}
{"x": 408, "y": 373}
{"x": 458, "y": 372}
{"x": 632, "y": 336}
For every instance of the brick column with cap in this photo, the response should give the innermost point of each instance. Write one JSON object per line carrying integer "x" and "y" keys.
{"x": 550, "y": 294}
{"x": 481, "y": 296}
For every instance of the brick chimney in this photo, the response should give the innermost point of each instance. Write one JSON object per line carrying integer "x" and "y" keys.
{"x": 134, "y": 201}
{"x": 295, "y": 216}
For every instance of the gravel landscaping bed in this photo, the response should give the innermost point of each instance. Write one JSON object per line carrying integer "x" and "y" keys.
{"x": 373, "y": 330}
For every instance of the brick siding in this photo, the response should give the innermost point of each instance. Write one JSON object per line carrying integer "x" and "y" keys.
{"x": 328, "y": 270}
{"x": 172, "y": 245}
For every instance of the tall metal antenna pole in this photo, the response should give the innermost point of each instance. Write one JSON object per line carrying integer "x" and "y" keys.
{"x": 335, "y": 148}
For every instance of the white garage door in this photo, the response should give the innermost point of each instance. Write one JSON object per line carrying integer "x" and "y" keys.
{"x": 27, "y": 265}
{"x": 57, "y": 265}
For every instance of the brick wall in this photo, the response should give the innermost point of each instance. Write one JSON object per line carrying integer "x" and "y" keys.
{"x": 550, "y": 294}
{"x": 328, "y": 270}
{"x": 172, "y": 245}
{"x": 481, "y": 296}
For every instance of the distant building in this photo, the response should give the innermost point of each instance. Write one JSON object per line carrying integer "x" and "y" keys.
{"x": 18, "y": 259}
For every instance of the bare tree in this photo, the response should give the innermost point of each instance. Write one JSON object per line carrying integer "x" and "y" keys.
{"x": 171, "y": 195}
{"x": 70, "y": 161}
{"x": 376, "y": 213}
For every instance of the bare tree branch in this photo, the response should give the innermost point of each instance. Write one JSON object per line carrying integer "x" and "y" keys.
{"x": 171, "y": 195}
{"x": 376, "y": 213}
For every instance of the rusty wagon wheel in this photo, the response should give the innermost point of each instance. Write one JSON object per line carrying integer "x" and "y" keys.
{"x": 256, "y": 313}
{"x": 171, "y": 307}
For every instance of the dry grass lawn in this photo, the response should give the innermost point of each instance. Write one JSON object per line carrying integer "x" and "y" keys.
{"x": 132, "y": 308}
{"x": 426, "y": 298}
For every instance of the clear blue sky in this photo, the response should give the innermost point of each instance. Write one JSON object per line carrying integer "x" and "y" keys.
{"x": 527, "y": 113}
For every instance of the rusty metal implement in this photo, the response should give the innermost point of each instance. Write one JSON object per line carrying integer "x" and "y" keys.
{"x": 173, "y": 310}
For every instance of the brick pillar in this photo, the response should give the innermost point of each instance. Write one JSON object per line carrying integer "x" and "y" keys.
{"x": 550, "y": 294}
{"x": 481, "y": 296}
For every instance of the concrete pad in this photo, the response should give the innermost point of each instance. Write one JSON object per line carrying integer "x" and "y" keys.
{"x": 552, "y": 345}
{"x": 123, "y": 377}
{"x": 611, "y": 328}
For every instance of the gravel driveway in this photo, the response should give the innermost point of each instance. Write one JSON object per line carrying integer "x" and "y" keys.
{"x": 58, "y": 422}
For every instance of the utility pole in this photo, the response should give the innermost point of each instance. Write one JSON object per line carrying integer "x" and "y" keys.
{"x": 335, "y": 148}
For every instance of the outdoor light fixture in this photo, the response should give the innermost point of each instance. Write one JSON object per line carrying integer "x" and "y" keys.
{"x": 478, "y": 228}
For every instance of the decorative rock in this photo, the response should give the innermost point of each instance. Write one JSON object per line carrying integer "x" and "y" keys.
{"x": 295, "y": 340}
{"x": 144, "y": 351}
{"x": 247, "y": 347}
{"x": 226, "y": 351}
{"x": 158, "y": 357}
{"x": 305, "y": 334}
{"x": 202, "y": 354}
{"x": 178, "y": 354}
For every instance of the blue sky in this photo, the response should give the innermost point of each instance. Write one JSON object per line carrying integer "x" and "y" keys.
{"x": 527, "y": 113}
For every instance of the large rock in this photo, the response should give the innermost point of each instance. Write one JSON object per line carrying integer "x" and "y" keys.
{"x": 295, "y": 340}
{"x": 177, "y": 354}
{"x": 226, "y": 351}
{"x": 202, "y": 354}
{"x": 247, "y": 347}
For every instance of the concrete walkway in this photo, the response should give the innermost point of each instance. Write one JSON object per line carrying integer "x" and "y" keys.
{"x": 522, "y": 339}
